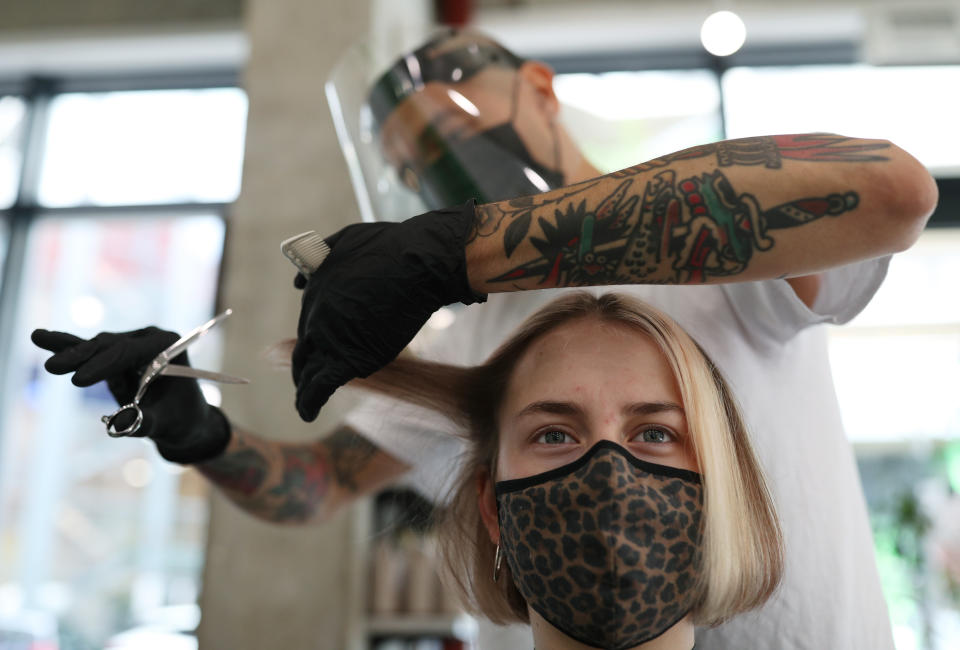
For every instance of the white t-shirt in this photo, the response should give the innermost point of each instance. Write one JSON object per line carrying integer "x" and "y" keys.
{"x": 763, "y": 339}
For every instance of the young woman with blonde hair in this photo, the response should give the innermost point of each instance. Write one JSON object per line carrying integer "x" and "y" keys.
{"x": 610, "y": 495}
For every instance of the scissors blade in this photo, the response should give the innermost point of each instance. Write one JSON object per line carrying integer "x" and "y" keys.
{"x": 187, "y": 339}
{"x": 160, "y": 361}
{"x": 176, "y": 370}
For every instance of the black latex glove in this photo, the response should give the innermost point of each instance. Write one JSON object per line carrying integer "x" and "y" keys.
{"x": 175, "y": 415}
{"x": 372, "y": 294}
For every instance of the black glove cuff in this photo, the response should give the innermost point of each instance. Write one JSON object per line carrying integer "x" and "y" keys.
{"x": 205, "y": 444}
{"x": 462, "y": 220}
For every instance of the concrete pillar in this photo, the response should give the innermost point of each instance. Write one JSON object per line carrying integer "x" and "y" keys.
{"x": 267, "y": 586}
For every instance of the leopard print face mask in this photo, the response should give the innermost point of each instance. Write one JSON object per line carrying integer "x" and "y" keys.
{"x": 605, "y": 548}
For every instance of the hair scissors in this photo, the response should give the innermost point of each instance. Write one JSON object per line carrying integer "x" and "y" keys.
{"x": 161, "y": 366}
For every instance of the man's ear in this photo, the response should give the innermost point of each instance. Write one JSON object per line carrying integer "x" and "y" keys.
{"x": 487, "y": 504}
{"x": 540, "y": 76}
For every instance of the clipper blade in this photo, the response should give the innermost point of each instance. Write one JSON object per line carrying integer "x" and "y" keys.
{"x": 306, "y": 250}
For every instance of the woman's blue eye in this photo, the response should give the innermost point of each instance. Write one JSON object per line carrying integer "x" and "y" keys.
{"x": 553, "y": 437}
{"x": 655, "y": 435}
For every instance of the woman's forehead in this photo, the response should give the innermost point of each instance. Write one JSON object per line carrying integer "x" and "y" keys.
{"x": 587, "y": 353}
{"x": 588, "y": 332}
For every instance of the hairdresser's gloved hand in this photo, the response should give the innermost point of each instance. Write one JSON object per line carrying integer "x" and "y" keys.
{"x": 373, "y": 293}
{"x": 175, "y": 415}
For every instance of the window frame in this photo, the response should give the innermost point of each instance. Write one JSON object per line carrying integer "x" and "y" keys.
{"x": 37, "y": 92}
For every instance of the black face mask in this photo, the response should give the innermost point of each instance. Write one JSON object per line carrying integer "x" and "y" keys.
{"x": 605, "y": 548}
{"x": 490, "y": 166}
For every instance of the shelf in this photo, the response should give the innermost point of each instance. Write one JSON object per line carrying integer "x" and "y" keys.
{"x": 453, "y": 625}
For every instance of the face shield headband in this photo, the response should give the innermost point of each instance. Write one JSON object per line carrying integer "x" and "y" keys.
{"x": 606, "y": 548}
{"x": 414, "y": 70}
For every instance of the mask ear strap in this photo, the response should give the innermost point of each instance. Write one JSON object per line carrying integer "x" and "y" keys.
{"x": 556, "y": 147}
{"x": 515, "y": 99}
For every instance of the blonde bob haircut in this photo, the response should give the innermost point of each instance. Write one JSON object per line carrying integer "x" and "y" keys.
{"x": 741, "y": 558}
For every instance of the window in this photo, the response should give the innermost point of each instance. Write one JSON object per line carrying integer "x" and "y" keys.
{"x": 121, "y": 225}
{"x": 897, "y": 373}
{"x": 125, "y": 148}
{"x": 912, "y": 106}
{"x": 903, "y": 350}
{"x": 622, "y": 118}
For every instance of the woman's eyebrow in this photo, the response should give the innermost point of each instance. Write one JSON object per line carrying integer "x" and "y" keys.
{"x": 569, "y": 408}
{"x": 649, "y": 408}
{"x": 546, "y": 406}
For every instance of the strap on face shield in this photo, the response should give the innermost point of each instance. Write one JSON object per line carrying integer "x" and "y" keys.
{"x": 414, "y": 70}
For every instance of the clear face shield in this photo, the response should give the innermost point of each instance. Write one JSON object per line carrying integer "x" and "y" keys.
{"x": 434, "y": 126}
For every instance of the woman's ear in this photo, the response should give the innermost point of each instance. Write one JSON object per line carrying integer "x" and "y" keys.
{"x": 540, "y": 77}
{"x": 487, "y": 504}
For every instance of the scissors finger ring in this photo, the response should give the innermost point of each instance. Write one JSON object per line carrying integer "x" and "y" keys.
{"x": 109, "y": 420}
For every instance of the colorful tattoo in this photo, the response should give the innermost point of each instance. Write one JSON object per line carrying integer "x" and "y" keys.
{"x": 814, "y": 147}
{"x": 700, "y": 226}
{"x": 669, "y": 231}
{"x": 349, "y": 454}
{"x": 242, "y": 470}
{"x": 771, "y": 151}
{"x": 303, "y": 485}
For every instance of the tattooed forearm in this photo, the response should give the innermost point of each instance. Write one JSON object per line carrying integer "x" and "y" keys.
{"x": 299, "y": 483}
{"x": 672, "y": 231}
{"x": 668, "y": 220}
{"x": 277, "y": 482}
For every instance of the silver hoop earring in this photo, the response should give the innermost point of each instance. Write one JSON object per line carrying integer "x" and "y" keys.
{"x": 497, "y": 560}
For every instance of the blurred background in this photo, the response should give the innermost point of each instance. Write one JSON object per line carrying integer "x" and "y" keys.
{"x": 153, "y": 156}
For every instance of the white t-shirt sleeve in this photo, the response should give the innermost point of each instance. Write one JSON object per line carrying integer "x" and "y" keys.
{"x": 846, "y": 290}
{"x": 771, "y": 310}
{"x": 431, "y": 444}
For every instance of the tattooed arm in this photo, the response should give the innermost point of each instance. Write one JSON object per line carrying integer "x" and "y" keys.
{"x": 300, "y": 483}
{"x": 748, "y": 209}
{"x": 739, "y": 210}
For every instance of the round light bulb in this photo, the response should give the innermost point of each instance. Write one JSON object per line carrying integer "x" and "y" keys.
{"x": 723, "y": 33}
